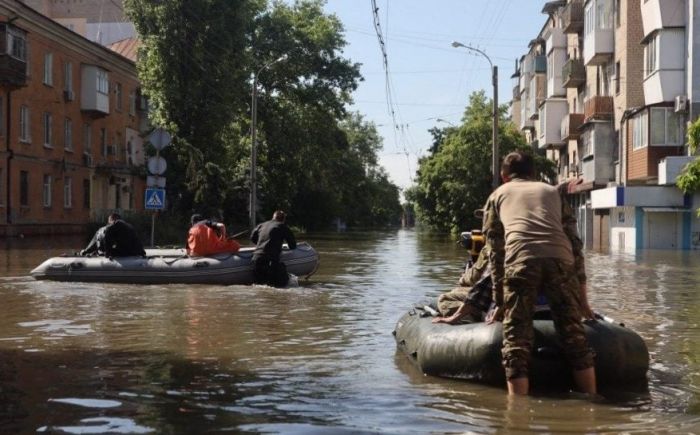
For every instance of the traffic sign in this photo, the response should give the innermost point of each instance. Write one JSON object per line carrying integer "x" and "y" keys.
{"x": 157, "y": 165}
{"x": 159, "y": 138}
{"x": 155, "y": 181}
{"x": 155, "y": 199}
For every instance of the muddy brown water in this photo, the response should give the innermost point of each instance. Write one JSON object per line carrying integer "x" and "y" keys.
{"x": 95, "y": 358}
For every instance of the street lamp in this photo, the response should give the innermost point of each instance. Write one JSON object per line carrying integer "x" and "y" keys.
{"x": 494, "y": 134}
{"x": 254, "y": 140}
{"x": 445, "y": 121}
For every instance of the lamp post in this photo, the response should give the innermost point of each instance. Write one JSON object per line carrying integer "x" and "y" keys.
{"x": 494, "y": 134}
{"x": 254, "y": 141}
{"x": 445, "y": 121}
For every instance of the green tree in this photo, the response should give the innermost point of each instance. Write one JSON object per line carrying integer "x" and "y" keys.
{"x": 192, "y": 65}
{"x": 456, "y": 179}
{"x": 689, "y": 180}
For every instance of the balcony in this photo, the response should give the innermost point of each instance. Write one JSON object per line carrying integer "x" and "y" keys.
{"x": 516, "y": 92}
{"x": 555, "y": 82}
{"x": 572, "y": 16}
{"x": 536, "y": 95}
{"x": 94, "y": 95}
{"x": 660, "y": 14}
{"x": 599, "y": 33}
{"x": 596, "y": 150}
{"x": 670, "y": 167}
{"x": 570, "y": 126}
{"x": 598, "y": 108}
{"x": 539, "y": 64}
{"x": 13, "y": 57}
{"x": 574, "y": 73}
{"x": 552, "y": 111}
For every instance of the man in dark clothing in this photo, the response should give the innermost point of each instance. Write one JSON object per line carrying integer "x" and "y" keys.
{"x": 120, "y": 239}
{"x": 268, "y": 237}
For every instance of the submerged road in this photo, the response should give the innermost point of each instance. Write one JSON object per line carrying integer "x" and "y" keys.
{"x": 94, "y": 358}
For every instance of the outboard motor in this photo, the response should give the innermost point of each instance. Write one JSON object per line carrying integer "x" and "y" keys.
{"x": 473, "y": 241}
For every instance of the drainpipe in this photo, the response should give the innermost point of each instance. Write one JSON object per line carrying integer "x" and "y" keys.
{"x": 10, "y": 153}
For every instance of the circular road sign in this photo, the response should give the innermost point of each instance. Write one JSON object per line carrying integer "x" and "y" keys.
{"x": 157, "y": 165}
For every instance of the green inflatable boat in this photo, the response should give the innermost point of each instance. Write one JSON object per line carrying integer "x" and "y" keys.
{"x": 473, "y": 351}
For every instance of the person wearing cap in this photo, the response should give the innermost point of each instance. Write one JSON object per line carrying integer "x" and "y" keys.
{"x": 208, "y": 237}
{"x": 534, "y": 247}
{"x": 269, "y": 237}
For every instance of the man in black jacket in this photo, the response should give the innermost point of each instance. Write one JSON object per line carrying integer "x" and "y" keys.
{"x": 268, "y": 237}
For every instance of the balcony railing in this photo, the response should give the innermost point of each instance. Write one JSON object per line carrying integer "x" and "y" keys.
{"x": 573, "y": 73}
{"x": 598, "y": 108}
{"x": 570, "y": 125}
{"x": 573, "y": 17}
{"x": 13, "y": 72}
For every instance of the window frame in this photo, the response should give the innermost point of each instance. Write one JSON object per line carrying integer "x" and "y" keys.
{"x": 46, "y": 191}
{"x": 668, "y": 114}
{"x": 24, "y": 124}
{"x": 48, "y": 69}
{"x": 24, "y": 188}
{"x": 47, "y": 121}
{"x": 67, "y": 192}
{"x": 68, "y": 134}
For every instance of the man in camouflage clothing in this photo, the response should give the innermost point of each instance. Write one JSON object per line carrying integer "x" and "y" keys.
{"x": 534, "y": 247}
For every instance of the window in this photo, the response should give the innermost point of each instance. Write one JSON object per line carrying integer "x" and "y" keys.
{"x": 665, "y": 127}
{"x": 17, "y": 44}
{"x": 87, "y": 138}
{"x": 103, "y": 141}
{"x": 617, "y": 78}
{"x": 132, "y": 103}
{"x": 118, "y": 146}
{"x": 604, "y": 14}
{"x": 639, "y": 131}
{"x": 618, "y": 12}
{"x": 48, "y": 122}
{"x": 68, "y": 134}
{"x": 48, "y": 69}
{"x": 1, "y": 186}
{"x": 67, "y": 192}
{"x": 68, "y": 77}
{"x": 86, "y": 193}
{"x": 24, "y": 124}
{"x": 587, "y": 144}
{"x": 118, "y": 95}
{"x": 2, "y": 117}
{"x": 102, "y": 82}
{"x": 46, "y": 192}
{"x": 24, "y": 188}
{"x": 651, "y": 55}
{"x": 589, "y": 19}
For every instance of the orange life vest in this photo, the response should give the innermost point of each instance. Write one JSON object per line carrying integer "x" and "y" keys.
{"x": 203, "y": 240}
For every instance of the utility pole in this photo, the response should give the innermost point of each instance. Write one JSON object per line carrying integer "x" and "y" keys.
{"x": 495, "y": 158}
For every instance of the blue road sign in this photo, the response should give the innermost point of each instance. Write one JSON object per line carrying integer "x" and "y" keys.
{"x": 155, "y": 199}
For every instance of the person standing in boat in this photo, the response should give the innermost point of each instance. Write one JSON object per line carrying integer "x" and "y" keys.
{"x": 208, "y": 237}
{"x": 121, "y": 239}
{"x": 268, "y": 237}
{"x": 526, "y": 225}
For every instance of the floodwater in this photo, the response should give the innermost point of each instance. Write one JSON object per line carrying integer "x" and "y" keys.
{"x": 93, "y": 358}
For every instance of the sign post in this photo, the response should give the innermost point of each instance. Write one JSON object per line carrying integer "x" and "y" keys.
{"x": 155, "y": 184}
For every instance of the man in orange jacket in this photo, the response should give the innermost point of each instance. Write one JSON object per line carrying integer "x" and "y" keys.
{"x": 208, "y": 237}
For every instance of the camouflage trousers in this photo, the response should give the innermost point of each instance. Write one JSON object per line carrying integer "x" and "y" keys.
{"x": 478, "y": 296}
{"x": 558, "y": 282}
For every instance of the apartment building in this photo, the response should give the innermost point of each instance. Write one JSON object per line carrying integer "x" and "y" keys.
{"x": 70, "y": 121}
{"x": 619, "y": 83}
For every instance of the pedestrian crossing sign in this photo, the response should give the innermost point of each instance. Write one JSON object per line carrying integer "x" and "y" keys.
{"x": 155, "y": 199}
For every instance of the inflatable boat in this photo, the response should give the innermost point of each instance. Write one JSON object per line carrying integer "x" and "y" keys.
{"x": 473, "y": 351}
{"x": 168, "y": 266}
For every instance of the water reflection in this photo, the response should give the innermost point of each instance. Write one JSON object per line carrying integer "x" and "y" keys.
{"x": 91, "y": 358}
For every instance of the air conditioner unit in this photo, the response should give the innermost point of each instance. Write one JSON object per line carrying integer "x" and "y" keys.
{"x": 68, "y": 95}
{"x": 681, "y": 104}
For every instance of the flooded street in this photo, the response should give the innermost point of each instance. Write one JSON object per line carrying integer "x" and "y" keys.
{"x": 93, "y": 358}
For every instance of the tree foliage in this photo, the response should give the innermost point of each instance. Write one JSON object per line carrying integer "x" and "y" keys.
{"x": 689, "y": 180}
{"x": 456, "y": 178}
{"x": 314, "y": 160}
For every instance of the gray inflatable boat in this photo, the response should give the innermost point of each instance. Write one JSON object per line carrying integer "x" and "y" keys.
{"x": 473, "y": 351}
{"x": 169, "y": 266}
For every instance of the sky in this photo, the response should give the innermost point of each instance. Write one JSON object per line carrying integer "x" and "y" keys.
{"x": 428, "y": 78}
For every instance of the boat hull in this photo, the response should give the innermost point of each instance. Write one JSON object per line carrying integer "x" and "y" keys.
{"x": 170, "y": 266}
{"x": 473, "y": 351}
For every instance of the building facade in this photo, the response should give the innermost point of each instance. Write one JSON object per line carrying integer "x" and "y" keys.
{"x": 618, "y": 81}
{"x": 70, "y": 127}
